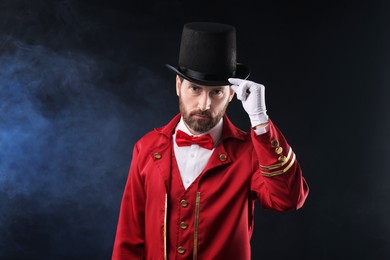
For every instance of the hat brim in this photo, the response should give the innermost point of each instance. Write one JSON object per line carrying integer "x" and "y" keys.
{"x": 242, "y": 72}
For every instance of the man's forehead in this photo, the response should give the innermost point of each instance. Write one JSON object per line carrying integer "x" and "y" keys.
{"x": 192, "y": 84}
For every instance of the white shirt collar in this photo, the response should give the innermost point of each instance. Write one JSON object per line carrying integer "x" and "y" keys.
{"x": 215, "y": 132}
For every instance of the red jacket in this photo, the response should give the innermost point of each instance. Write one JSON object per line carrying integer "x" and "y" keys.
{"x": 243, "y": 168}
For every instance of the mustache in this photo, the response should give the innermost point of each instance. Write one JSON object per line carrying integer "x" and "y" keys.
{"x": 201, "y": 113}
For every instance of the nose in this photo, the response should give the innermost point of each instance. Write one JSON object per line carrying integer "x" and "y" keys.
{"x": 204, "y": 102}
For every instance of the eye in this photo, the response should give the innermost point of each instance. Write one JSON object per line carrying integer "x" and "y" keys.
{"x": 195, "y": 89}
{"x": 217, "y": 92}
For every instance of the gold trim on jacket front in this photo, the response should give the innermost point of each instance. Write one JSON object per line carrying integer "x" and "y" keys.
{"x": 165, "y": 227}
{"x": 196, "y": 226}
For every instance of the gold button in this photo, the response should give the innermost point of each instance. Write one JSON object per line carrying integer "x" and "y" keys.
{"x": 278, "y": 150}
{"x": 181, "y": 250}
{"x": 274, "y": 143}
{"x": 157, "y": 156}
{"x": 282, "y": 158}
{"x": 223, "y": 157}
{"x": 183, "y": 203}
{"x": 183, "y": 225}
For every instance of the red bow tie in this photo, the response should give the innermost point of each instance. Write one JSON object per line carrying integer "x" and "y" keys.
{"x": 205, "y": 141}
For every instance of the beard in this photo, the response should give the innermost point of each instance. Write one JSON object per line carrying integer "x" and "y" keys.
{"x": 200, "y": 124}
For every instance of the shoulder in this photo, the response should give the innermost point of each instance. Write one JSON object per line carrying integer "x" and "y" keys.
{"x": 158, "y": 137}
{"x": 151, "y": 139}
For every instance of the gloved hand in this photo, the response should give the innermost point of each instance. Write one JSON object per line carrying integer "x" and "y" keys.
{"x": 252, "y": 96}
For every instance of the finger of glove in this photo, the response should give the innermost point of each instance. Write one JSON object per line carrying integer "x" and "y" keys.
{"x": 257, "y": 88}
{"x": 235, "y": 81}
{"x": 238, "y": 90}
{"x": 258, "y": 93}
{"x": 242, "y": 91}
{"x": 234, "y": 87}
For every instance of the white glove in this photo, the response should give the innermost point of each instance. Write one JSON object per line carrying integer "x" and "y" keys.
{"x": 252, "y": 96}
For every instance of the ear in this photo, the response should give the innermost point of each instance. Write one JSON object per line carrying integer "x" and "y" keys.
{"x": 231, "y": 94}
{"x": 178, "y": 85}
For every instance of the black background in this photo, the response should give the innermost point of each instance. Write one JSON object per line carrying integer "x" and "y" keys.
{"x": 81, "y": 81}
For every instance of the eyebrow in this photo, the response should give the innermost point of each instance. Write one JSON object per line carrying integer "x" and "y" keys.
{"x": 194, "y": 85}
{"x": 212, "y": 87}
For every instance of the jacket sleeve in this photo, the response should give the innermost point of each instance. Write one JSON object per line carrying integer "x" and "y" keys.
{"x": 130, "y": 234}
{"x": 278, "y": 182}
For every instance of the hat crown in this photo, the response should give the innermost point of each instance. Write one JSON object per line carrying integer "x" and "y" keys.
{"x": 208, "y": 48}
{"x": 208, "y": 54}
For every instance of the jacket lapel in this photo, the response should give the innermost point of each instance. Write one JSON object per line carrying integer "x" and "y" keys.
{"x": 219, "y": 157}
{"x": 162, "y": 157}
{"x": 161, "y": 153}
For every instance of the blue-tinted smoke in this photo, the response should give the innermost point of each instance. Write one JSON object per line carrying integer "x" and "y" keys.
{"x": 74, "y": 97}
{"x": 65, "y": 147}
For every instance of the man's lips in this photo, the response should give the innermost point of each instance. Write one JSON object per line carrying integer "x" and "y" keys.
{"x": 201, "y": 116}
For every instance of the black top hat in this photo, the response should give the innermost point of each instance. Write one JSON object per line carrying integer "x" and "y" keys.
{"x": 208, "y": 54}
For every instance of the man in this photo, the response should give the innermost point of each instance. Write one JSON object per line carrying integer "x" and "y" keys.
{"x": 192, "y": 184}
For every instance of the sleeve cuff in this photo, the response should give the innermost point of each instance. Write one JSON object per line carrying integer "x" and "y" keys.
{"x": 261, "y": 130}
